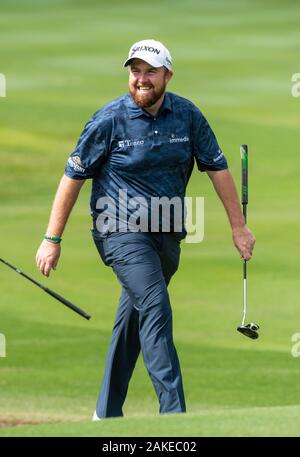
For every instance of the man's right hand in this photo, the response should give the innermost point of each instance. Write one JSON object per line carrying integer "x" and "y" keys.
{"x": 47, "y": 257}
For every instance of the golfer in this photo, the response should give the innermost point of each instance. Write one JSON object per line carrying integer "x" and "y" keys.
{"x": 139, "y": 148}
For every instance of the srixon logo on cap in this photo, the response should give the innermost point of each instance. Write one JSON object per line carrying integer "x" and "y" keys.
{"x": 145, "y": 48}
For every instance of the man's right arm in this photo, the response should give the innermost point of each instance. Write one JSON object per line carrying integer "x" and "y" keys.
{"x": 48, "y": 253}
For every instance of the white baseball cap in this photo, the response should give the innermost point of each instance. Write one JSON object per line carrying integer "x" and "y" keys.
{"x": 151, "y": 51}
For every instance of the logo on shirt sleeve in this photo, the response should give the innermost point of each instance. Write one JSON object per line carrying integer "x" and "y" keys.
{"x": 219, "y": 156}
{"x": 75, "y": 163}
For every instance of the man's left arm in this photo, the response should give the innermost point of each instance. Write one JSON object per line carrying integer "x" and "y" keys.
{"x": 226, "y": 190}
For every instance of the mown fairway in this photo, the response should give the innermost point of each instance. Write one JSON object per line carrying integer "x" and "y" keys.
{"x": 235, "y": 59}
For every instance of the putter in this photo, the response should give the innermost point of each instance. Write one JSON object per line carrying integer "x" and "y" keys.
{"x": 49, "y": 291}
{"x": 249, "y": 330}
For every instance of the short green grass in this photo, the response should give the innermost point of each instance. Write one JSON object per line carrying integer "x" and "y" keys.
{"x": 62, "y": 61}
{"x": 221, "y": 422}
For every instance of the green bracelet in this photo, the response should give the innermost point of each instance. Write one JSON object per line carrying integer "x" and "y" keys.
{"x": 54, "y": 239}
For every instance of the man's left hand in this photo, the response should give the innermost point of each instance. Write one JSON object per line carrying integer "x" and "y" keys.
{"x": 244, "y": 241}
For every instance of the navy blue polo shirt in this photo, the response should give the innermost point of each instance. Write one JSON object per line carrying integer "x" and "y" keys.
{"x": 124, "y": 148}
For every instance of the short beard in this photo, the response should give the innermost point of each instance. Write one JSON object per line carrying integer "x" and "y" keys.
{"x": 146, "y": 100}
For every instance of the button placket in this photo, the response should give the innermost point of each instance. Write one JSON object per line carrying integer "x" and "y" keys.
{"x": 155, "y": 131}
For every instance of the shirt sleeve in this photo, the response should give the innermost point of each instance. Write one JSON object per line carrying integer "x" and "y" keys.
{"x": 207, "y": 152}
{"x": 91, "y": 149}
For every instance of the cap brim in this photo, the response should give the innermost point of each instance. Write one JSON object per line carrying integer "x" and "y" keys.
{"x": 146, "y": 59}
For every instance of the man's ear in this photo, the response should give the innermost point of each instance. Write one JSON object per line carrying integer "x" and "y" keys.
{"x": 169, "y": 75}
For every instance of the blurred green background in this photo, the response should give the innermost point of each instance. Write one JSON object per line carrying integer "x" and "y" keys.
{"x": 234, "y": 59}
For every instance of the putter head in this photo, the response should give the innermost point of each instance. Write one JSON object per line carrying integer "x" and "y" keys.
{"x": 249, "y": 330}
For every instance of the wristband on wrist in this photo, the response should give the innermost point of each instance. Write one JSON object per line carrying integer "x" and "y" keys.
{"x": 53, "y": 239}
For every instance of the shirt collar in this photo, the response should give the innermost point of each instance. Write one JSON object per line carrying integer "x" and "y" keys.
{"x": 135, "y": 111}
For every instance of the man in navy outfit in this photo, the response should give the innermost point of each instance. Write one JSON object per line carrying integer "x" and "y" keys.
{"x": 140, "y": 147}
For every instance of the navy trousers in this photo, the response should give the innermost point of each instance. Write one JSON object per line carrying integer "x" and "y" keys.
{"x": 144, "y": 264}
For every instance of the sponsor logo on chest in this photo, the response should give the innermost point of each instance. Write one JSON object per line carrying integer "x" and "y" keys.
{"x": 127, "y": 143}
{"x": 131, "y": 143}
{"x": 182, "y": 139}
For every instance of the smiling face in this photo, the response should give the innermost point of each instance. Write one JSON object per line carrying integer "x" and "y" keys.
{"x": 147, "y": 84}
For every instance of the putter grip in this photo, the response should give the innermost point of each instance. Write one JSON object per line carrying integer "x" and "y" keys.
{"x": 244, "y": 157}
{"x": 67, "y": 303}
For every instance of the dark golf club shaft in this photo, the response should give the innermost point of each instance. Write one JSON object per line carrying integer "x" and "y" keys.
{"x": 245, "y": 272}
{"x": 249, "y": 330}
{"x": 49, "y": 291}
{"x": 245, "y": 218}
{"x": 244, "y": 157}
